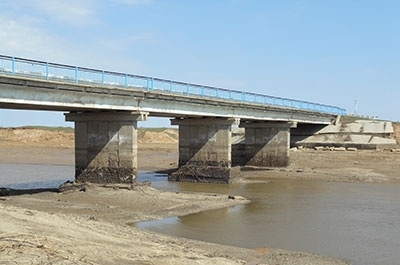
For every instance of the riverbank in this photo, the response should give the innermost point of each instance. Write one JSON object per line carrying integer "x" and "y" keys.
{"x": 343, "y": 166}
{"x": 95, "y": 225}
{"x": 91, "y": 228}
{"x": 158, "y": 151}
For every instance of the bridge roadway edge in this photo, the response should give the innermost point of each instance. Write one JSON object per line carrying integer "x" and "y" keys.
{"x": 37, "y": 94}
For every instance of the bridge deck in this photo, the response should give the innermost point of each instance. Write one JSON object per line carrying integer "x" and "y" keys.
{"x": 30, "y": 84}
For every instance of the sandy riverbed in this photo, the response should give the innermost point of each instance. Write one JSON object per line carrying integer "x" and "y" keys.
{"x": 95, "y": 225}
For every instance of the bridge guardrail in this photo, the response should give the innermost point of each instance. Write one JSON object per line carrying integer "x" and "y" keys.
{"x": 73, "y": 74}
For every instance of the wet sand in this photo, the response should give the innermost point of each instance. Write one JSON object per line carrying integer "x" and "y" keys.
{"x": 95, "y": 225}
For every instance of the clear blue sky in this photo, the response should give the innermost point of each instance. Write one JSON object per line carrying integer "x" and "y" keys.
{"x": 331, "y": 51}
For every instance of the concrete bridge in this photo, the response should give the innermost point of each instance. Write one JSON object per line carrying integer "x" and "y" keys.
{"x": 106, "y": 106}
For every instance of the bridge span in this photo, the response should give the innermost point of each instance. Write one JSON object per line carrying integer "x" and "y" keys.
{"x": 106, "y": 106}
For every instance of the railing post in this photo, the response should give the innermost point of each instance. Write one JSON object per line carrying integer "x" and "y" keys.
{"x": 126, "y": 80}
{"x": 13, "y": 66}
{"x": 150, "y": 83}
{"x": 187, "y": 89}
{"x": 202, "y": 91}
{"x": 217, "y": 92}
{"x": 102, "y": 78}
{"x": 170, "y": 86}
{"x": 76, "y": 74}
{"x": 47, "y": 70}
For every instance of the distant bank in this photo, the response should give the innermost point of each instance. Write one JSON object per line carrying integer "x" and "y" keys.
{"x": 347, "y": 132}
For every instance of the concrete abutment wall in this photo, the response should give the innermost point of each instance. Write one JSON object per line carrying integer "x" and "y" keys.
{"x": 360, "y": 134}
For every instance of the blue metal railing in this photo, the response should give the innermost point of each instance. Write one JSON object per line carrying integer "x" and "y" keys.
{"x": 73, "y": 74}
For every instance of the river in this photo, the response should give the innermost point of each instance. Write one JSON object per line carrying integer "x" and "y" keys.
{"x": 356, "y": 222}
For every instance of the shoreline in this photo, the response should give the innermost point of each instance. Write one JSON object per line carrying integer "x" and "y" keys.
{"x": 158, "y": 151}
{"x": 307, "y": 164}
{"x": 94, "y": 226}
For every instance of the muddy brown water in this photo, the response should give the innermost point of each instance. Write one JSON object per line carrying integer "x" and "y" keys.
{"x": 356, "y": 222}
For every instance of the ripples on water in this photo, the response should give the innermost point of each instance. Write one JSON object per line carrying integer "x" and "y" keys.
{"x": 34, "y": 176}
{"x": 357, "y": 222}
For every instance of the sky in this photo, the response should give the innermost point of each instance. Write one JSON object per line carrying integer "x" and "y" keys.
{"x": 334, "y": 52}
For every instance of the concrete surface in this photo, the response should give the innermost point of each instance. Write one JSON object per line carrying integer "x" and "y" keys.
{"x": 105, "y": 146}
{"x": 267, "y": 144}
{"x": 362, "y": 134}
{"x": 204, "y": 150}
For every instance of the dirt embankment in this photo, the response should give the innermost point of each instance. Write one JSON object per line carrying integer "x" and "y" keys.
{"x": 37, "y": 137}
{"x": 396, "y": 127}
{"x": 63, "y": 137}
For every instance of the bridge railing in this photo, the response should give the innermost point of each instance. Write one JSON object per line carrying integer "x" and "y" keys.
{"x": 72, "y": 74}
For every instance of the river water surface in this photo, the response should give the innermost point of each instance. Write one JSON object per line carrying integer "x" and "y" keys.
{"x": 356, "y": 222}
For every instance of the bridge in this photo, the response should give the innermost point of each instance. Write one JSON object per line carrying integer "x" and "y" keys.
{"x": 106, "y": 106}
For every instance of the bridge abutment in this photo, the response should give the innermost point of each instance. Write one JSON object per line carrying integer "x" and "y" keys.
{"x": 266, "y": 143}
{"x": 106, "y": 146}
{"x": 204, "y": 150}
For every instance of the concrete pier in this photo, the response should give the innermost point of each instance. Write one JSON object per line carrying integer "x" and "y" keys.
{"x": 106, "y": 146}
{"x": 204, "y": 150}
{"x": 266, "y": 143}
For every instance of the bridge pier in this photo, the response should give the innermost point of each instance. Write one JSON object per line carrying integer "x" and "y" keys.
{"x": 204, "y": 150}
{"x": 106, "y": 146}
{"x": 267, "y": 143}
